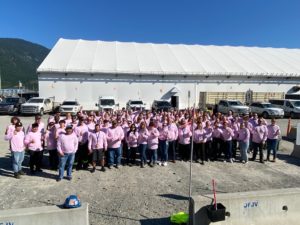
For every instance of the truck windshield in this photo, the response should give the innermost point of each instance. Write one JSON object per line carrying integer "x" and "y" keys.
{"x": 136, "y": 103}
{"x": 11, "y": 100}
{"x": 35, "y": 100}
{"x": 296, "y": 103}
{"x": 70, "y": 103}
{"x": 107, "y": 102}
{"x": 163, "y": 104}
{"x": 233, "y": 103}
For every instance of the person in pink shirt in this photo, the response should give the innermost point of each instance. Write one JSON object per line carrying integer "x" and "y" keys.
{"x": 227, "y": 134}
{"x": 97, "y": 145}
{"x": 243, "y": 137}
{"x": 142, "y": 143}
{"x": 163, "y": 143}
{"x": 152, "y": 143}
{"x": 272, "y": 139}
{"x": 131, "y": 137}
{"x": 115, "y": 135}
{"x": 50, "y": 138}
{"x": 41, "y": 125}
{"x": 67, "y": 145}
{"x": 217, "y": 140}
{"x": 61, "y": 129}
{"x": 199, "y": 142}
{"x": 259, "y": 138}
{"x": 172, "y": 137}
{"x": 11, "y": 128}
{"x": 208, "y": 144}
{"x": 184, "y": 140}
{"x": 16, "y": 142}
{"x": 33, "y": 140}
{"x": 81, "y": 156}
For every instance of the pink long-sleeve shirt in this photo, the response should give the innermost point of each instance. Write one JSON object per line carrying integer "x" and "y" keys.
{"x": 67, "y": 143}
{"x": 184, "y": 134}
{"x": 82, "y": 133}
{"x": 260, "y": 134}
{"x": 50, "y": 137}
{"x": 173, "y": 132}
{"x": 132, "y": 139}
{"x": 243, "y": 135}
{"x": 143, "y": 136}
{"x": 153, "y": 138}
{"x": 217, "y": 132}
{"x": 16, "y": 141}
{"x": 199, "y": 136}
{"x": 208, "y": 131}
{"x": 36, "y": 137}
{"x": 273, "y": 131}
{"x": 163, "y": 133}
{"x": 227, "y": 134}
{"x": 114, "y": 137}
{"x": 97, "y": 140}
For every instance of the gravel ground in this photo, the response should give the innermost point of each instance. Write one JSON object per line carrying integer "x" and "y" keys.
{"x": 131, "y": 195}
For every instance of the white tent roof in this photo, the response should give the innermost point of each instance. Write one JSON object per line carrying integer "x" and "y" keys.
{"x": 82, "y": 56}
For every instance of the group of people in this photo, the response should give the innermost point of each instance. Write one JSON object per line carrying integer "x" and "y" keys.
{"x": 112, "y": 138}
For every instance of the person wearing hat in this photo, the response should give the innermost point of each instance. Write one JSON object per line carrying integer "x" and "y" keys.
{"x": 115, "y": 135}
{"x": 67, "y": 145}
{"x": 33, "y": 140}
{"x": 184, "y": 137}
{"x": 16, "y": 142}
{"x": 97, "y": 145}
{"x": 50, "y": 138}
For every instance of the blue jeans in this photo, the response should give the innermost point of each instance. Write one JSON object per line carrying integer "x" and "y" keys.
{"x": 68, "y": 159}
{"x": 272, "y": 146}
{"x": 163, "y": 147}
{"x": 153, "y": 155}
{"x": 114, "y": 156}
{"x": 244, "y": 148}
{"x": 228, "y": 149}
{"x": 17, "y": 159}
{"x": 142, "y": 151}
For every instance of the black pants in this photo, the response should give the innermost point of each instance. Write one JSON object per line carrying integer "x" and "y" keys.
{"x": 172, "y": 150}
{"x": 234, "y": 148}
{"x": 131, "y": 155}
{"x": 82, "y": 157}
{"x": 258, "y": 147}
{"x": 35, "y": 161}
{"x": 184, "y": 151}
{"x": 53, "y": 159}
{"x": 208, "y": 150}
{"x": 200, "y": 151}
{"x": 216, "y": 144}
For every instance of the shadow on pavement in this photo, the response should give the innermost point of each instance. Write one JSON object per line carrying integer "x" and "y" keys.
{"x": 173, "y": 196}
{"x": 288, "y": 159}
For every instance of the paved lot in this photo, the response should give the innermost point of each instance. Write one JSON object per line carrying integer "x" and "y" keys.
{"x": 132, "y": 195}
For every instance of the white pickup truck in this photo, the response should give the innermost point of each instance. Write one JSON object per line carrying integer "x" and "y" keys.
{"x": 107, "y": 103}
{"x": 38, "y": 105}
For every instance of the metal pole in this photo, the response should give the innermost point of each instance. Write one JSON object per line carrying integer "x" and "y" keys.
{"x": 191, "y": 161}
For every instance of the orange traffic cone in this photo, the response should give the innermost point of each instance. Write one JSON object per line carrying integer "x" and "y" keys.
{"x": 288, "y": 130}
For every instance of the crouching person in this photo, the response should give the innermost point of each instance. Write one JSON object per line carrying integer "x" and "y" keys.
{"x": 67, "y": 145}
{"x": 16, "y": 142}
{"x": 97, "y": 145}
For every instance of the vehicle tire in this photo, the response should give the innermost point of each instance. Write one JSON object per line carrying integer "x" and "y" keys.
{"x": 265, "y": 115}
{"x": 292, "y": 115}
{"x": 42, "y": 111}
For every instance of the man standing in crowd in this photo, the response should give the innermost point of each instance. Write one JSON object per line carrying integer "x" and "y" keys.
{"x": 67, "y": 145}
{"x": 272, "y": 139}
{"x": 258, "y": 140}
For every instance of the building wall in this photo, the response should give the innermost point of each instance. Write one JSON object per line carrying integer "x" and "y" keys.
{"x": 87, "y": 88}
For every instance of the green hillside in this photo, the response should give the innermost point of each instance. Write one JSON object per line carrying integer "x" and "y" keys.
{"x": 19, "y": 60}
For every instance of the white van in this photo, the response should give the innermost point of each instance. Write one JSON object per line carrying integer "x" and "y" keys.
{"x": 291, "y": 107}
{"x": 107, "y": 103}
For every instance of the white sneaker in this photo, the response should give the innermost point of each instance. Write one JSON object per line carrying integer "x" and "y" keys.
{"x": 165, "y": 164}
{"x": 159, "y": 163}
{"x": 230, "y": 160}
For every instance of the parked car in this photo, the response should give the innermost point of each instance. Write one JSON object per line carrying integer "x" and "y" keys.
{"x": 266, "y": 110}
{"x": 38, "y": 105}
{"x": 161, "y": 105}
{"x": 135, "y": 104}
{"x": 291, "y": 107}
{"x": 107, "y": 103}
{"x": 11, "y": 105}
{"x": 70, "y": 106}
{"x": 235, "y": 106}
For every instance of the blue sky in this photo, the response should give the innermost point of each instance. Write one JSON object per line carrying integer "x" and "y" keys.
{"x": 274, "y": 23}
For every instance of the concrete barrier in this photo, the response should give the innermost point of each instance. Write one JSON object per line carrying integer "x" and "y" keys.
{"x": 296, "y": 151}
{"x": 280, "y": 207}
{"x": 46, "y": 215}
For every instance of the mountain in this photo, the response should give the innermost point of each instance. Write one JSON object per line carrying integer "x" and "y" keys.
{"x": 19, "y": 60}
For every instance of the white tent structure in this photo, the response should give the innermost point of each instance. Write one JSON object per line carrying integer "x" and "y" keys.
{"x": 85, "y": 70}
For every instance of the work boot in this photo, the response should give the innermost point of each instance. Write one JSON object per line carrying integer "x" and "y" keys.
{"x": 17, "y": 175}
{"x": 142, "y": 165}
{"x": 93, "y": 170}
{"x": 21, "y": 172}
{"x": 102, "y": 169}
